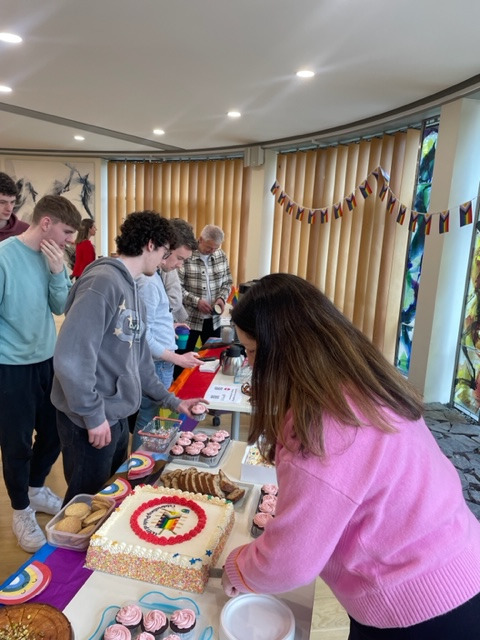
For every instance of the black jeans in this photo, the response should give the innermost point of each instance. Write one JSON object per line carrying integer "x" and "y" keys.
{"x": 463, "y": 623}
{"x": 205, "y": 333}
{"x": 25, "y": 408}
{"x": 87, "y": 469}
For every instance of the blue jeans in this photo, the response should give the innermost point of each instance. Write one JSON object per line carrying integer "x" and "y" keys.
{"x": 149, "y": 408}
{"x": 87, "y": 469}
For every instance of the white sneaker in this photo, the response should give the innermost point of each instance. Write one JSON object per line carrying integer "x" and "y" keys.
{"x": 25, "y": 527}
{"x": 44, "y": 500}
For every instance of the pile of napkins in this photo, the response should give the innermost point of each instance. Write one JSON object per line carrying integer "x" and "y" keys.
{"x": 210, "y": 367}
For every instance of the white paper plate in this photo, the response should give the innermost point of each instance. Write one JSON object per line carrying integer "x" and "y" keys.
{"x": 256, "y": 617}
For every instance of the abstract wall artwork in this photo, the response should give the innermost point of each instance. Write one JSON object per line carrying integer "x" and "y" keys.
{"x": 36, "y": 178}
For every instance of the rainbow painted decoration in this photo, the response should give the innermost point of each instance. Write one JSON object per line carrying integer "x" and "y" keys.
{"x": 140, "y": 465}
{"x": 118, "y": 490}
{"x": 28, "y": 583}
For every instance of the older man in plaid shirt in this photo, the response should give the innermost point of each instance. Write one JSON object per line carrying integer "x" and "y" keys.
{"x": 206, "y": 282}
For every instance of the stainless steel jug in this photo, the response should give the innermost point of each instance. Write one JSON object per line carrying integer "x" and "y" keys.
{"x": 231, "y": 360}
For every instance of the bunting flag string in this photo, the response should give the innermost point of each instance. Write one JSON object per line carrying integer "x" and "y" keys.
{"x": 349, "y": 204}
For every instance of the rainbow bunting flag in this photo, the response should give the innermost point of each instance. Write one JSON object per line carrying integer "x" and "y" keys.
{"x": 383, "y": 192}
{"x": 282, "y": 197}
{"x": 311, "y": 216}
{"x": 289, "y": 207}
{"x": 337, "y": 210}
{"x": 299, "y": 214}
{"x": 323, "y": 215}
{"x": 428, "y": 223}
{"x": 401, "y": 214}
{"x": 365, "y": 189}
{"x": 412, "y": 225}
{"x": 351, "y": 202}
{"x": 466, "y": 214}
{"x": 391, "y": 203}
{"x": 444, "y": 222}
{"x": 275, "y": 187}
{"x": 375, "y": 174}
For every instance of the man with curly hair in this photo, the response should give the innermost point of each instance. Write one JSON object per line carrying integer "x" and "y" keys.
{"x": 102, "y": 360}
{"x": 10, "y": 225}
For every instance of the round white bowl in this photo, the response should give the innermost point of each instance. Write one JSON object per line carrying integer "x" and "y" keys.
{"x": 256, "y": 617}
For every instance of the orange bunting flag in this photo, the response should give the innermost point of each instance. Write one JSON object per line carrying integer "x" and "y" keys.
{"x": 444, "y": 222}
{"x": 275, "y": 187}
{"x": 391, "y": 203}
{"x": 323, "y": 215}
{"x": 412, "y": 225}
{"x": 383, "y": 192}
{"x": 311, "y": 216}
{"x": 365, "y": 189}
{"x": 289, "y": 207}
{"x": 351, "y": 202}
{"x": 282, "y": 197}
{"x": 299, "y": 215}
{"x": 428, "y": 223}
{"x": 466, "y": 214}
{"x": 337, "y": 210}
{"x": 401, "y": 214}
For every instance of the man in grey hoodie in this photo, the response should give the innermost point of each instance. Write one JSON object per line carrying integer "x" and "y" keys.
{"x": 102, "y": 361}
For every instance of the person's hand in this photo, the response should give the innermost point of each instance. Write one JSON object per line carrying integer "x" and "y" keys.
{"x": 204, "y": 307}
{"x": 54, "y": 255}
{"x": 186, "y": 405}
{"x": 228, "y": 587}
{"x": 100, "y": 436}
{"x": 188, "y": 360}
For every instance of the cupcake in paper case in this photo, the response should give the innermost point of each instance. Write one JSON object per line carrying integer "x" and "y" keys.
{"x": 260, "y": 521}
{"x": 224, "y": 434}
{"x": 269, "y": 489}
{"x": 182, "y": 622}
{"x": 172, "y": 636}
{"x": 210, "y": 455}
{"x": 117, "y": 632}
{"x": 200, "y": 437}
{"x": 199, "y": 411}
{"x": 184, "y": 441}
{"x": 176, "y": 452}
{"x": 146, "y": 636}
{"x": 130, "y": 616}
{"x": 154, "y": 622}
{"x": 192, "y": 452}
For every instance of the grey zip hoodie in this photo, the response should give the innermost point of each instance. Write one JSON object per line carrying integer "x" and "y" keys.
{"x": 102, "y": 361}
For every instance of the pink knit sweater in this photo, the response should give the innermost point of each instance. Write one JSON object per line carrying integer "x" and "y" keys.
{"x": 382, "y": 520}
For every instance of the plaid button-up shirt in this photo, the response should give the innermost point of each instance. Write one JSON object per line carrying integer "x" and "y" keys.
{"x": 194, "y": 284}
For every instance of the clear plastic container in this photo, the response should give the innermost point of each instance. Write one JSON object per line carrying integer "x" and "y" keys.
{"x": 159, "y": 434}
{"x": 75, "y": 541}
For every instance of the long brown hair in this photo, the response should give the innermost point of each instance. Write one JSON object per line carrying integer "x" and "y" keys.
{"x": 311, "y": 360}
{"x": 84, "y": 231}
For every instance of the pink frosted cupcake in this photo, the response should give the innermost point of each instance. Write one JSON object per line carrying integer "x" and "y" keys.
{"x": 155, "y": 622}
{"x": 145, "y": 636}
{"x": 117, "y": 632}
{"x": 184, "y": 441}
{"x": 176, "y": 452}
{"x": 130, "y": 616}
{"x": 182, "y": 622}
{"x": 268, "y": 505}
{"x": 210, "y": 455}
{"x": 200, "y": 437}
{"x": 269, "y": 489}
{"x": 172, "y": 636}
{"x": 260, "y": 521}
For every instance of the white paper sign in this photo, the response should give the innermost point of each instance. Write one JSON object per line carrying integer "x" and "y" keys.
{"x": 224, "y": 393}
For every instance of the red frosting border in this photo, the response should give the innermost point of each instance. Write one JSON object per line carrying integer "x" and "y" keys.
{"x": 153, "y": 539}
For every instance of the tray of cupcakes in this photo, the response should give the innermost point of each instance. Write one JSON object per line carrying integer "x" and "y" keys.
{"x": 265, "y": 509}
{"x": 155, "y": 616}
{"x": 204, "y": 448}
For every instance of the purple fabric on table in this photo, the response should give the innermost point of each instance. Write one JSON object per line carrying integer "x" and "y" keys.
{"x": 68, "y": 577}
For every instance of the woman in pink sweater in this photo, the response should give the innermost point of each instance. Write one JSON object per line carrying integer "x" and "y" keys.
{"x": 366, "y": 498}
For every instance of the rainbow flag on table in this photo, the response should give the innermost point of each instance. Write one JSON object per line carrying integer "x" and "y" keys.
{"x": 233, "y": 296}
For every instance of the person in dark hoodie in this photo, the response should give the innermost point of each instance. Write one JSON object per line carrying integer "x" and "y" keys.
{"x": 102, "y": 361}
{"x": 10, "y": 225}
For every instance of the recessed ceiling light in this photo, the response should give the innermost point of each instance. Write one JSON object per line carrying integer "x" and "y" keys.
{"x": 305, "y": 73}
{"x": 158, "y": 132}
{"x": 5, "y": 89}
{"x": 79, "y": 138}
{"x": 234, "y": 114}
{"x": 10, "y": 37}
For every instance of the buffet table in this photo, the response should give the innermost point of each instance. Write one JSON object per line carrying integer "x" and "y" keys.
{"x": 84, "y": 595}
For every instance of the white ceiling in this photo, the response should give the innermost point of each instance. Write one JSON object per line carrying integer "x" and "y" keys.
{"x": 113, "y": 70}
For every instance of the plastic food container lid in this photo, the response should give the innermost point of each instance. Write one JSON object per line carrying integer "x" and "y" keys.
{"x": 256, "y": 617}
